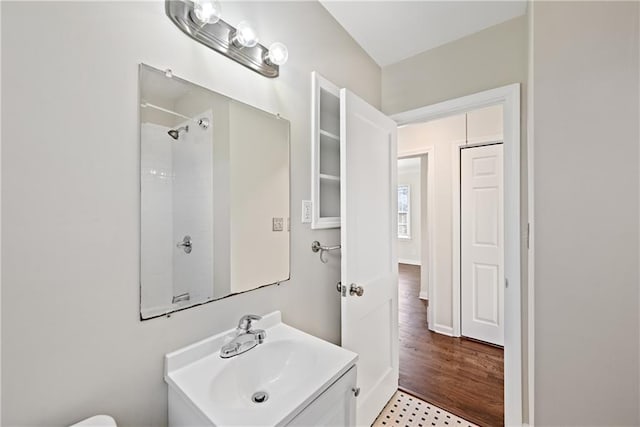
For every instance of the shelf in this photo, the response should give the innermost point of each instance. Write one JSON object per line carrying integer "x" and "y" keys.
{"x": 327, "y": 177}
{"x": 325, "y": 158}
{"x": 329, "y": 135}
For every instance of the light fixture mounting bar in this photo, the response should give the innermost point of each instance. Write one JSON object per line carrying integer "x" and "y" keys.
{"x": 218, "y": 37}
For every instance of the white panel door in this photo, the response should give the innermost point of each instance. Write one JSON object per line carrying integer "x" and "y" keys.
{"x": 482, "y": 244}
{"x": 368, "y": 237}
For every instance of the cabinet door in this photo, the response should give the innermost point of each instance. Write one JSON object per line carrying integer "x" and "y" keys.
{"x": 325, "y": 159}
{"x": 335, "y": 407}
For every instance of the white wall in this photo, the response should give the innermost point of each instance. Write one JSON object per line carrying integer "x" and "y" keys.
{"x": 440, "y": 134}
{"x": 176, "y": 193}
{"x": 483, "y": 125}
{"x": 1, "y": 275}
{"x": 73, "y": 344}
{"x": 409, "y": 174}
{"x": 494, "y": 57}
{"x": 156, "y": 237}
{"x": 156, "y": 193}
{"x": 259, "y": 164}
{"x": 586, "y": 158}
{"x": 192, "y": 104}
{"x": 485, "y": 60}
{"x": 192, "y": 211}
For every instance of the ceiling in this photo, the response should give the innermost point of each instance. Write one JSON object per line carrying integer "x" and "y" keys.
{"x": 390, "y": 31}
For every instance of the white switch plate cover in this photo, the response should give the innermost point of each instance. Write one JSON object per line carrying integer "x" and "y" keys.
{"x": 307, "y": 208}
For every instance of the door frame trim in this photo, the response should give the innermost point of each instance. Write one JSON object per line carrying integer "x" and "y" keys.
{"x": 509, "y": 97}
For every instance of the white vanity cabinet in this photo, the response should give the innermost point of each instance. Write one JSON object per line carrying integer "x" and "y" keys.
{"x": 336, "y": 406}
{"x": 290, "y": 379}
{"x": 325, "y": 158}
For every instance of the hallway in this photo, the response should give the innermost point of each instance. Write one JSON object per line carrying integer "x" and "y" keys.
{"x": 462, "y": 376}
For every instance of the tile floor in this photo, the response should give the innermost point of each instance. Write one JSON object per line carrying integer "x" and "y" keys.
{"x": 408, "y": 411}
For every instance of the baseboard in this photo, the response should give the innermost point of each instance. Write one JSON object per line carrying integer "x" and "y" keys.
{"x": 444, "y": 330}
{"x": 409, "y": 261}
{"x": 423, "y": 295}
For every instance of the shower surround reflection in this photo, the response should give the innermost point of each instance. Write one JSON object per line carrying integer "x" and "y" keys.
{"x": 177, "y": 201}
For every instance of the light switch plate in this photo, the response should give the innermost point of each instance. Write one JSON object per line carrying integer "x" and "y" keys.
{"x": 307, "y": 208}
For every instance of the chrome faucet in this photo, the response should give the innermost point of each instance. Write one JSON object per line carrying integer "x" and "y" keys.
{"x": 245, "y": 339}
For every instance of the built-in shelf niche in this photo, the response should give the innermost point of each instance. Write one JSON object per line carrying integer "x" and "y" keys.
{"x": 325, "y": 168}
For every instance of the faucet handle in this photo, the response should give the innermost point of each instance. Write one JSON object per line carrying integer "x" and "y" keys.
{"x": 246, "y": 320}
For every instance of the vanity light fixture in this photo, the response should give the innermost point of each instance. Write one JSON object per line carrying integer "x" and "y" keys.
{"x": 200, "y": 20}
{"x": 207, "y": 11}
{"x": 244, "y": 36}
{"x": 277, "y": 54}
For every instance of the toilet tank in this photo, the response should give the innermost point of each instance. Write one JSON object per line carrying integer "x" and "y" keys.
{"x": 96, "y": 421}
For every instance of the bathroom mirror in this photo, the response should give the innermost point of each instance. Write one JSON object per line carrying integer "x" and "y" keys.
{"x": 214, "y": 178}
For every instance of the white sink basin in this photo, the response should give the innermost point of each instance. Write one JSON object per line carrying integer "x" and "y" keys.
{"x": 279, "y": 367}
{"x": 291, "y": 367}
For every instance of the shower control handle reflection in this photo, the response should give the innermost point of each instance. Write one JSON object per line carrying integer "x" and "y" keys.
{"x": 185, "y": 244}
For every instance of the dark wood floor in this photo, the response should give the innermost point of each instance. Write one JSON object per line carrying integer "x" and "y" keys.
{"x": 462, "y": 376}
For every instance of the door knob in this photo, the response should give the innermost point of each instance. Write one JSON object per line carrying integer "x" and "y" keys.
{"x": 356, "y": 290}
{"x": 186, "y": 244}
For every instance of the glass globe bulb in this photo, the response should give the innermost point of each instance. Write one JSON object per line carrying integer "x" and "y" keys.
{"x": 245, "y": 35}
{"x": 207, "y": 11}
{"x": 278, "y": 54}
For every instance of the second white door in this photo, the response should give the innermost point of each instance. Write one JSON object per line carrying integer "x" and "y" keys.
{"x": 369, "y": 261}
{"x": 482, "y": 244}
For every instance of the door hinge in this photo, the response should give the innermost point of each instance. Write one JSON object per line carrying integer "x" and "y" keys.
{"x": 528, "y": 235}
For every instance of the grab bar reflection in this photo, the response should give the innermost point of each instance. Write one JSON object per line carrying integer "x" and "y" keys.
{"x": 317, "y": 247}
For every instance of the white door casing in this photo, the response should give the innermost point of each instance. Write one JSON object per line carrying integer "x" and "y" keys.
{"x": 509, "y": 97}
{"x": 368, "y": 238}
{"x": 482, "y": 243}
